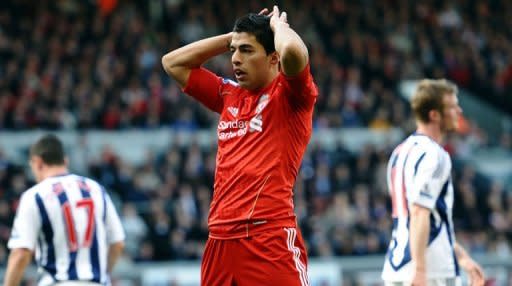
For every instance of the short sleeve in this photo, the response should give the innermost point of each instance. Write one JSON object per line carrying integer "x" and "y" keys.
{"x": 114, "y": 228}
{"x": 27, "y": 224}
{"x": 428, "y": 180}
{"x": 303, "y": 90}
{"x": 205, "y": 86}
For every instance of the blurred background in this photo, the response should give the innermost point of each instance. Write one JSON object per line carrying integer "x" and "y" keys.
{"x": 90, "y": 71}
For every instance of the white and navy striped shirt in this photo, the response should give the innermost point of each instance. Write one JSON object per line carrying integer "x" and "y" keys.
{"x": 70, "y": 222}
{"x": 419, "y": 172}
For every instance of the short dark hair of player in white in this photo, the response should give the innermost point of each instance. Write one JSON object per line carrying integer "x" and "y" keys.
{"x": 67, "y": 221}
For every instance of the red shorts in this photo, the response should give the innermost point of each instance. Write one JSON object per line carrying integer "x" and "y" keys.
{"x": 275, "y": 257}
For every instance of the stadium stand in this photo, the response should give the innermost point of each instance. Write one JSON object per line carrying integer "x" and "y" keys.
{"x": 69, "y": 65}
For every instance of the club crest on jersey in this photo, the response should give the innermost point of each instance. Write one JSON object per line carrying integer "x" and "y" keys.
{"x": 256, "y": 124}
{"x": 57, "y": 188}
{"x": 233, "y": 110}
{"x": 262, "y": 103}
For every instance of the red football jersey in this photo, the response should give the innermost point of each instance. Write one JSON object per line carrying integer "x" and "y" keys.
{"x": 262, "y": 136}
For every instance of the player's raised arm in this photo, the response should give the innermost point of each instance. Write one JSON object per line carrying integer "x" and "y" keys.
{"x": 293, "y": 53}
{"x": 178, "y": 63}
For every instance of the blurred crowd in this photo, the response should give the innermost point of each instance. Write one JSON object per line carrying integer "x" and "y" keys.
{"x": 73, "y": 65}
{"x": 340, "y": 196}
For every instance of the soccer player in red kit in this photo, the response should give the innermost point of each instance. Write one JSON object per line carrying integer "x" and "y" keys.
{"x": 264, "y": 127}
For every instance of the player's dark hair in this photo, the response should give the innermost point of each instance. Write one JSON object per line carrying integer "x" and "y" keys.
{"x": 50, "y": 149}
{"x": 429, "y": 96}
{"x": 259, "y": 26}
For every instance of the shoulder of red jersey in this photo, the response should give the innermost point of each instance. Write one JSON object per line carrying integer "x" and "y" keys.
{"x": 230, "y": 87}
{"x": 231, "y": 82}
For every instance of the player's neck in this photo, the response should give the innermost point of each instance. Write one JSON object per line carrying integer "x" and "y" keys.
{"x": 274, "y": 74}
{"x": 53, "y": 171}
{"x": 432, "y": 131}
{"x": 267, "y": 83}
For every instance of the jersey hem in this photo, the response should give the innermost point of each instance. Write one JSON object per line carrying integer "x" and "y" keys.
{"x": 245, "y": 229}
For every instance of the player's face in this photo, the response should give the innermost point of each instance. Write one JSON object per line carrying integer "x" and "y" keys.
{"x": 251, "y": 64}
{"x": 451, "y": 112}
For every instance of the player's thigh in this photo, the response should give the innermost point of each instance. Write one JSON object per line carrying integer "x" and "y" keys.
{"x": 216, "y": 264}
{"x": 276, "y": 257}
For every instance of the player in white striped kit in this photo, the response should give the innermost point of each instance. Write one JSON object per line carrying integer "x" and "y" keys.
{"x": 69, "y": 222}
{"x": 423, "y": 249}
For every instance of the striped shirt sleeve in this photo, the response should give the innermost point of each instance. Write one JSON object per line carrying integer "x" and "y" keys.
{"x": 428, "y": 180}
{"x": 27, "y": 224}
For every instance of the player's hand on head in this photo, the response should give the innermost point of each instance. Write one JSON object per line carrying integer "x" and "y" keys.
{"x": 276, "y": 17}
{"x": 264, "y": 11}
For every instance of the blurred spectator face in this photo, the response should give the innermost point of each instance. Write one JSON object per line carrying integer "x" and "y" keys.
{"x": 5, "y": 212}
{"x": 251, "y": 63}
{"x": 451, "y": 113}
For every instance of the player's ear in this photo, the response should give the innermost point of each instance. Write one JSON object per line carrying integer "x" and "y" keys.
{"x": 274, "y": 58}
{"x": 36, "y": 162}
{"x": 434, "y": 116}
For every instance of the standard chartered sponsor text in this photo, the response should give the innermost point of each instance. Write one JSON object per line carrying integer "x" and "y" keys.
{"x": 236, "y": 124}
{"x": 239, "y": 129}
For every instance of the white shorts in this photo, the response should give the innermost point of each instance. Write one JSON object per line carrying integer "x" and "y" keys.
{"x": 430, "y": 282}
{"x": 76, "y": 283}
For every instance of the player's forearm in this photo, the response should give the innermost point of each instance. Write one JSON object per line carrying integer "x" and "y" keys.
{"x": 418, "y": 235}
{"x": 195, "y": 54}
{"x": 461, "y": 253}
{"x": 114, "y": 252}
{"x": 475, "y": 272}
{"x": 18, "y": 261}
{"x": 292, "y": 51}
